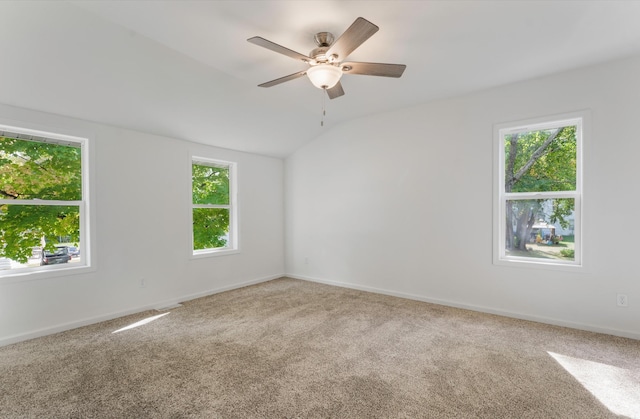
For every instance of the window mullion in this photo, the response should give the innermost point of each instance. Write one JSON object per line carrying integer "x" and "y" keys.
{"x": 39, "y": 202}
{"x": 211, "y": 206}
{"x": 512, "y": 196}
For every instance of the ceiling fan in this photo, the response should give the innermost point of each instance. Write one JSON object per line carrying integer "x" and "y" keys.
{"x": 326, "y": 62}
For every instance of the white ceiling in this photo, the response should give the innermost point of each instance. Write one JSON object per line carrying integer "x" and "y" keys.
{"x": 184, "y": 68}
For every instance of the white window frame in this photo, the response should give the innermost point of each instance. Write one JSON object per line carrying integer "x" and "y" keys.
{"x": 232, "y": 244}
{"x": 41, "y": 272}
{"x": 581, "y": 121}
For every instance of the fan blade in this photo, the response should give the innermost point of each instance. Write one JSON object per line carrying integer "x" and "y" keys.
{"x": 283, "y": 79}
{"x": 374, "y": 69}
{"x": 352, "y": 38}
{"x": 257, "y": 40}
{"x": 335, "y": 91}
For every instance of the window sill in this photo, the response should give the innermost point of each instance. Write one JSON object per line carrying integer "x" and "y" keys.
{"x": 200, "y": 254}
{"x": 539, "y": 264}
{"x": 34, "y": 274}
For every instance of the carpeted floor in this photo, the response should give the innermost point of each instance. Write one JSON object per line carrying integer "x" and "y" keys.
{"x": 295, "y": 349}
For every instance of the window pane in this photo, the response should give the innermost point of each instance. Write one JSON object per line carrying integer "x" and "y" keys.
{"x": 26, "y": 229}
{"x": 37, "y": 170}
{"x": 540, "y": 228}
{"x": 541, "y": 161}
{"x": 210, "y": 184}
{"x": 210, "y": 228}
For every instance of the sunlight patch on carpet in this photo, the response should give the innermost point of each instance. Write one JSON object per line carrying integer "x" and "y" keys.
{"x": 141, "y": 322}
{"x": 614, "y": 387}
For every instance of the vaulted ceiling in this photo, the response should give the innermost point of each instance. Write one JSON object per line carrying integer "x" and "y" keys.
{"x": 184, "y": 68}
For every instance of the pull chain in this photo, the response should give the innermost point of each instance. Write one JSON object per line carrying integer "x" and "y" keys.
{"x": 324, "y": 93}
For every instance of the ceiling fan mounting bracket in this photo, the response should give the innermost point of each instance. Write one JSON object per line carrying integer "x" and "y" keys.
{"x": 323, "y": 39}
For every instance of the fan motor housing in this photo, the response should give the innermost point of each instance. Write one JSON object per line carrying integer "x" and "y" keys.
{"x": 323, "y": 41}
{"x": 319, "y": 54}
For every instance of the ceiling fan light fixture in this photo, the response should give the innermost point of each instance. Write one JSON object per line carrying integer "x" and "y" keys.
{"x": 324, "y": 76}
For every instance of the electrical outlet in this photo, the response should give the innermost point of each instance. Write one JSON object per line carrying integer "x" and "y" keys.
{"x": 623, "y": 301}
{"x": 143, "y": 283}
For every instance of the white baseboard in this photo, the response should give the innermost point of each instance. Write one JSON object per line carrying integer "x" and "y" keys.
{"x": 110, "y": 316}
{"x": 189, "y": 297}
{"x": 489, "y": 310}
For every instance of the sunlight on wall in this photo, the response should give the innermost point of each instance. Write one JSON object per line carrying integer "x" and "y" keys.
{"x": 616, "y": 388}
{"x": 141, "y": 322}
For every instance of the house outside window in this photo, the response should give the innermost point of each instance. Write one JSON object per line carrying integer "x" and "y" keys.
{"x": 539, "y": 192}
{"x": 213, "y": 212}
{"x": 43, "y": 202}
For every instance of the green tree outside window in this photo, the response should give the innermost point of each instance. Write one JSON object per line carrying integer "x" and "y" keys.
{"x": 211, "y": 205}
{"x": 538, "y": 161}
{"x": 33, "y": 173}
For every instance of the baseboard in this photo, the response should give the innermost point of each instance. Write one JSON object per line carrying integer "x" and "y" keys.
{"x": 489, "y": 310}
{"x": 189, "y": 297}
{"x": 110, "y": 316}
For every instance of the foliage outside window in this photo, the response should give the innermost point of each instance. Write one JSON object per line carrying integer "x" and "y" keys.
{"x": 213, "y": 206}
{"x": 540, "y": 193}
{"x": 42, "y": 204}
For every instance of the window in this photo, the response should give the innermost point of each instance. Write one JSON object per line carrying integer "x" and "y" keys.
{"x": 43, "y": 204}
{"x": 539, "y": 192}
{"x": 213, "y": 209}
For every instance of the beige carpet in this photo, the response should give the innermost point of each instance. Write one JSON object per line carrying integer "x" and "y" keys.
{"x": 294, "y": 349}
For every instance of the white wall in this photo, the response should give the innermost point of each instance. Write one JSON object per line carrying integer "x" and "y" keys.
{"x": 402, "y": 203}
{"x": 141, "y": 198}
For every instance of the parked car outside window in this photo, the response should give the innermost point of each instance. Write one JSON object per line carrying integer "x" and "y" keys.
{"x": 61, "y": 255}
{"x": 74, "y": 252}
